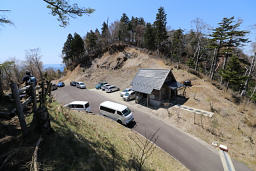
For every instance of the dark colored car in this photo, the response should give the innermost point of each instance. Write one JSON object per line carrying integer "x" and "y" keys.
{"x": 73, "y": 83}
{"x": 187, "y": 83}
{"x": 60, "y": 84}
{"x": 54, "y": 87}
{"x": 100, "y": 84}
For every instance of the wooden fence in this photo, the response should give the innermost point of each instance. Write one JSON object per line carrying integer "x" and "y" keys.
{"x": 31, "y": 96}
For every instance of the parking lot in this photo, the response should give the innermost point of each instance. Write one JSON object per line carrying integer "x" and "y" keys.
{"x": 193, "y": 153}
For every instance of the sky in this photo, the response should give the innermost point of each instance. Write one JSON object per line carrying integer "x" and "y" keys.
{"x": 35, "y": 27}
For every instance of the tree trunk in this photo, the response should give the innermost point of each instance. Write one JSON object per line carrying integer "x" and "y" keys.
{"x": 197, "y": 54}
{"x": 224, "y": 66}
{"x": 1, "y": 86}
{"x": 248, "y": 76}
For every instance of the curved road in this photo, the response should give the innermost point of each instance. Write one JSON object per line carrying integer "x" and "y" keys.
{"x": 195, "y": 155}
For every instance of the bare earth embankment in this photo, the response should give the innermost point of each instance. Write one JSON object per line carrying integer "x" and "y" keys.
{"x": 232, "y": 124}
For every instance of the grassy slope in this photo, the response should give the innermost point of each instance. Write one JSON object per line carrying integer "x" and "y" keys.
{"x": 90, "y": 142}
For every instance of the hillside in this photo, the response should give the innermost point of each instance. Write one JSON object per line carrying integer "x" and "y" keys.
{"x": 91, "y": 142}
{"x": 233, "y": 122}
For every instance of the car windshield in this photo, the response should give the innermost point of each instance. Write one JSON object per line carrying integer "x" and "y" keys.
{"x": 126, "y": 94}
{"x": 81, "y": 83}
{"x": 126, "y": 111}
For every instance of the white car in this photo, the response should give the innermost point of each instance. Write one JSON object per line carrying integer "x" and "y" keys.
{"x": 120, "y": 113}
{"x": 125, "y": 91}
{"x": 80, "y": 85}
{"x": 130, "y": 95}
{"x": 105, "y": 86}
{"x": 79, "y": 105}
{"x": 111, "y": 89}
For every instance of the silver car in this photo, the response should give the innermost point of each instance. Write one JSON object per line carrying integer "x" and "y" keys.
{"x": 130, "y": 95}
{"x": 125, "y": 91}
{"x": 105, "y": 86}
{"x": 80, "y": 85}
{"x": 111, "y": 89}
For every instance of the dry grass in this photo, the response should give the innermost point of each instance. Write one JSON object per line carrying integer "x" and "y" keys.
{"x": 92, "y": 142}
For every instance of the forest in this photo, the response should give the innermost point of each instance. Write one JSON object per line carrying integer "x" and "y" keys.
{"x": 215, "y": 52}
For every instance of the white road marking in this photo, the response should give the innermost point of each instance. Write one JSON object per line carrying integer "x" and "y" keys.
{"x": 194, "y": 110}
{"x": 226, "y": 161}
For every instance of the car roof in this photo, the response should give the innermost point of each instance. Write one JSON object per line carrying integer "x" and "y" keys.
{"x": 129, "y": 92}
{"x": 80, "y": 82}
{"x": 79, "y": 102}
{"x": 113, "y": 105}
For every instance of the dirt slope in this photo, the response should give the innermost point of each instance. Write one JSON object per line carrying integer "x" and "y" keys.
{"x": 233, "y": 124}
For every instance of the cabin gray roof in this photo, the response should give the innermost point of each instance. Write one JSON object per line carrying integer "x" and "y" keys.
{"x": 146, "y": 80}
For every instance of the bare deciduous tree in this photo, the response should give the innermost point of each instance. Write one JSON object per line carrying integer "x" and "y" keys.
{"x": 146, "y": 148}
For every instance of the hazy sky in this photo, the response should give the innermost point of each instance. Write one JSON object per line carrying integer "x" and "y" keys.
{"x": 34, "y": 27}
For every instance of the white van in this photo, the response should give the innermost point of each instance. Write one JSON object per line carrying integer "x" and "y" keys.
{"x": 120, "y": 113}
{"x": 79, "y": 105}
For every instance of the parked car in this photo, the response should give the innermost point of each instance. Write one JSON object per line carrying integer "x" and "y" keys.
{"x": 120, "y": 113}
{"x": 187, "y": 83}
{"x": 125, "y": 91}
{"x": 79, "y": 105}
{"x": 100, "y": 84}
{"x": 80, "y": 85}
{"x": 111, "y": 89}
{"x": 73, "y": 83}
{"x": 61, "y": 84}
{"x": 105, "y": 86}
{"x": 54, "y": 87}
{"x": 130, "y": 95}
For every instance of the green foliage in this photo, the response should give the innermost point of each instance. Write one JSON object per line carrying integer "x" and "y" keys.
{"x": 90, "y": 40}
{"x": 77, "y": 45}
{"x": 149, "y": 37}
{"x": 124, "y": 27}
{"x": 177, "y": 44}
{"x": 227, "y": 35}
{"x": 233, "y": 74}
{"x": 64, "y": 10}
{"x": 73, "y": 48}
{"x": 67, "y": 48}
{"x": 160, "y": 27}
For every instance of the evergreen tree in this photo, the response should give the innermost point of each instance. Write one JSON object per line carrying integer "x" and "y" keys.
{"x": 91, "y": 40}
{"x": 233, "y": 74}
{"x": 105, "y": 34}
{"x": 124, "y": 27}
{"x": 160, "y": 27}
{"x": 77, "y": 45}
{"x": 67, "y": 50}
{"x": 149, "y": 37}
{"x": 225, "y": 38}
{"x": 177, "y": 44}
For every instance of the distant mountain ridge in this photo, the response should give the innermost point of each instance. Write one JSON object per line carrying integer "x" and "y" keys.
{"x": 54, "y": 67}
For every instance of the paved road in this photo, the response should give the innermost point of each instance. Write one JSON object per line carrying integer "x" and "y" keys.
{"x": 195, "y": 155}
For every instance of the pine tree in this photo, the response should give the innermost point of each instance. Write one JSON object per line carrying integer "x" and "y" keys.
{"x": 177, "y": 44}
{"x": 77, "y": 45}
{"x": 91, "y": 40}
{"x": 233, "y": 74}
{"x": 160, "y": 27}
{"x": 149, "y": 37}
{"x": 124, "y": 28}
{"x": 67, "y": 50}
{"x": 225, "y": 38}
